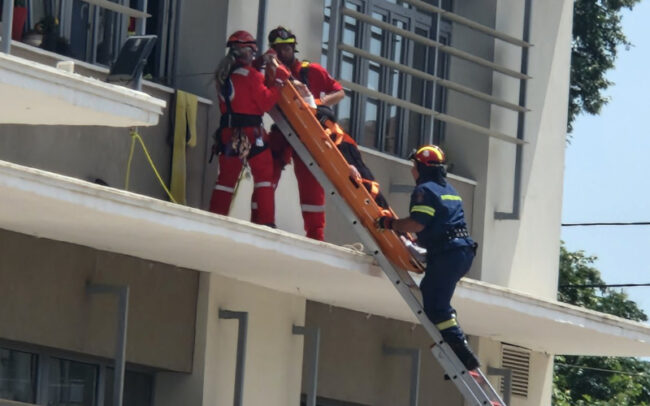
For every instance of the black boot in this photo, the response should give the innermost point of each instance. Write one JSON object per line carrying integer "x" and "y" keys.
{"x": 463, "y": 352}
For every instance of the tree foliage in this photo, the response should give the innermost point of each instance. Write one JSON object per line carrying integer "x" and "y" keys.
{"x": 590, "y": 381}
{"x": 597, "y": 35}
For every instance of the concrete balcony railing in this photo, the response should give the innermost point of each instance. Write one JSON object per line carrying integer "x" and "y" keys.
{"x": 100, "y": 153}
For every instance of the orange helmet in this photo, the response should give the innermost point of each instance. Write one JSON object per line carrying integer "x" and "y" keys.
{"x": 428, "y": 155}
{"x": 281, "y": 35}
{"x": 242, "y": 39}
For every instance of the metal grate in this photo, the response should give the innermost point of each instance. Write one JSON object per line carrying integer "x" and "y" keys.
{"x": 518, "y": 360}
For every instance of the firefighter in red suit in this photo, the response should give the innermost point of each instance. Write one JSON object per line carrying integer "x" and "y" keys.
{"x": 245, "y": 94}
{"x": 328, "y": 92}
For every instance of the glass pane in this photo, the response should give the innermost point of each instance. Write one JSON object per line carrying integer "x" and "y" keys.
{"x": 18, "y": 376}
{"x": 377, "y": 36}
{"x": 392, "y": 122}
{"x": 347, "y": 66}
{"x": 138, "y": 388}
{"x": 369, "y": 136}
{"x": 373, "y": 75}
{"x": 107, "y": 36}
{"x": 72, "y": 383}
{"x": 343, "y": 112}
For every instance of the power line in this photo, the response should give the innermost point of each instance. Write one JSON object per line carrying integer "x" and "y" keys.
{"x": 635, "y": 223}
{"x": 602, "y": 286}
{"x": 640, "y": 374}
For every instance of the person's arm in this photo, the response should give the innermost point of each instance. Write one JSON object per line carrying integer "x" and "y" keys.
{"x": 405, "y": 225}
{"x": 421, "y": 213}
{"x": 333, "y": 98}
{"x": 266, "y": 96}
{"x": 333, "y": 91}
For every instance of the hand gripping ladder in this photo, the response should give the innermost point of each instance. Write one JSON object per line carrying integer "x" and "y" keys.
{"x": 473, "y": 385}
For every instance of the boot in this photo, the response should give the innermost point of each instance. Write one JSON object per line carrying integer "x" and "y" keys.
{"x": 463, "y": 352}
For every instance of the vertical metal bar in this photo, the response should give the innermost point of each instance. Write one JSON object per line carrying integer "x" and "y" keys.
{"x": 333, "y": 41}
{"x": 7, "y": 23}
{"x": 140, "y": 29}
{"x": 242, "y": 333}
{"x": 415, "y": 355}
{"x": 43, "y": 378}
{"x": 101, "y": 386}
{"x": 431, "y": 120}
{"x": 261, "y": 24}
{"x": 95, "y": 35}
{"x": 506, "y": 373}
{"x": 120, "y": 350}
{"x": 175, "y": 47}
{"x": 313, "y": 333}
{"x": 521, "y": 121}
{"x": 141, "y": 23}
{"x": 122, "y": 293}
{"x": 415, "y": 377}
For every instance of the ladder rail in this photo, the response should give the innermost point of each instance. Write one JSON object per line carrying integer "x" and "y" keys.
{"x": 476, "y": 393}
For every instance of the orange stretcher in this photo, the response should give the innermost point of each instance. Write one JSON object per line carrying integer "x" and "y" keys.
{"x": 317, "y": 141}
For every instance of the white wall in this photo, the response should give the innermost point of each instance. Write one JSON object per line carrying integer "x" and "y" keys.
{"x": 273, "y": 354}
{"x": 523, "y": 254}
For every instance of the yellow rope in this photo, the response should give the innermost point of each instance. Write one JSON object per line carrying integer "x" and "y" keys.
{"x": 135, "y": 136}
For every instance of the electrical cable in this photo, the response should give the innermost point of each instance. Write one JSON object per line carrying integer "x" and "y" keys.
{"x": 619, "y": 285}
{"x": 640, "y": 374}
{"x": 634, "y": 223}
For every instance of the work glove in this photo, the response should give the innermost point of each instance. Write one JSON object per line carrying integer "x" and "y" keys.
{"x": 276, "y": 75}
{"x": 384, "y": 223}
{"x": 268, "y": 56}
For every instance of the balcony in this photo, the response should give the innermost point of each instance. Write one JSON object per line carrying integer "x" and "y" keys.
{"x": 37, "y": 94}
{"x": 52, "y": 206}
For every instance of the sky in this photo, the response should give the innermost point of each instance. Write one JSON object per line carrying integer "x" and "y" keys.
{"x": 607, "y": 169}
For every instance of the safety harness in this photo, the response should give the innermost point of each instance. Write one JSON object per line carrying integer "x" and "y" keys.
{"x": 240, "y": 145}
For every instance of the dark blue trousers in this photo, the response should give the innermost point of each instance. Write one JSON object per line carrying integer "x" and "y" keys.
{"x": 443, "y": 271}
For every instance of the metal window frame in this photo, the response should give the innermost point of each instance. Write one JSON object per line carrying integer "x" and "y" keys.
{"x": 166, "y": 31}
{"x": 44, "y": 356}
{"x": 411, "y": 18}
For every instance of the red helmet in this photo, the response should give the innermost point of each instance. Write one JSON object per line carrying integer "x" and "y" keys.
{"x": 281, "y": 35}
{"x": 242, "y": 39}
{"x": 428, "y": 155}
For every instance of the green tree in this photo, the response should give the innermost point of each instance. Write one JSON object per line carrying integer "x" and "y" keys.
{"x": 597, "y": 35}
{"x": 589, "y": 381}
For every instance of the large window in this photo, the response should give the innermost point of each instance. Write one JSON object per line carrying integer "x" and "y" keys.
{"x": 94, "y": 34}
{"x": 379, "y": 124}
{"x": 72, "y": 383}
{"x": 18, "y": 375}
{"x": 42, "y": 377}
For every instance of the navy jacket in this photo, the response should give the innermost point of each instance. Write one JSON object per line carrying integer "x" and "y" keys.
{"x": 438, "y": 208}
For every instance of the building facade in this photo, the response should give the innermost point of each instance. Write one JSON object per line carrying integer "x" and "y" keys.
{"x": 97, "y": 265}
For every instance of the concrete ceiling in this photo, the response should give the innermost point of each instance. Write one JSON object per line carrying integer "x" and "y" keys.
{"x": 33, "y": 93}
{"x": 52, "y": 206}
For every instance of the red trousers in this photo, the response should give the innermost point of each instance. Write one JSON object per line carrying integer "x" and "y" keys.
{"x": 230, "y": 167}
{"x": 312, "y": 195}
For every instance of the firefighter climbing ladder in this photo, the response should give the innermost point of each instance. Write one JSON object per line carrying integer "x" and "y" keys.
{"x": 299, "y": 125}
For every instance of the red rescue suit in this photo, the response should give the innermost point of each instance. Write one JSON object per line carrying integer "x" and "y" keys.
{"x": 243, "y": 99}
{"x": 312, "y": 195}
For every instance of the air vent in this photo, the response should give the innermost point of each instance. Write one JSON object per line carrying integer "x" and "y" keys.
{"x": 518, "y": 360}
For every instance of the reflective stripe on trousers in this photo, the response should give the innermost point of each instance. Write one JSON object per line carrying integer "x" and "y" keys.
{"x": 312, "y": 208}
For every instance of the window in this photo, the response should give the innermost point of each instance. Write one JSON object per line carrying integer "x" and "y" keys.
{"x": 52, "y": 379}
{"x": 138, "y": 388}
{"x": 18, "y": 376}
{"x": 72, "y": 383}
{"x": 379, "y": 124}
{"x": 94, "y": 34}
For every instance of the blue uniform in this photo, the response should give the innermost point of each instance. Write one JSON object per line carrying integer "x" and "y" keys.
{"x": 450, "y": 250}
